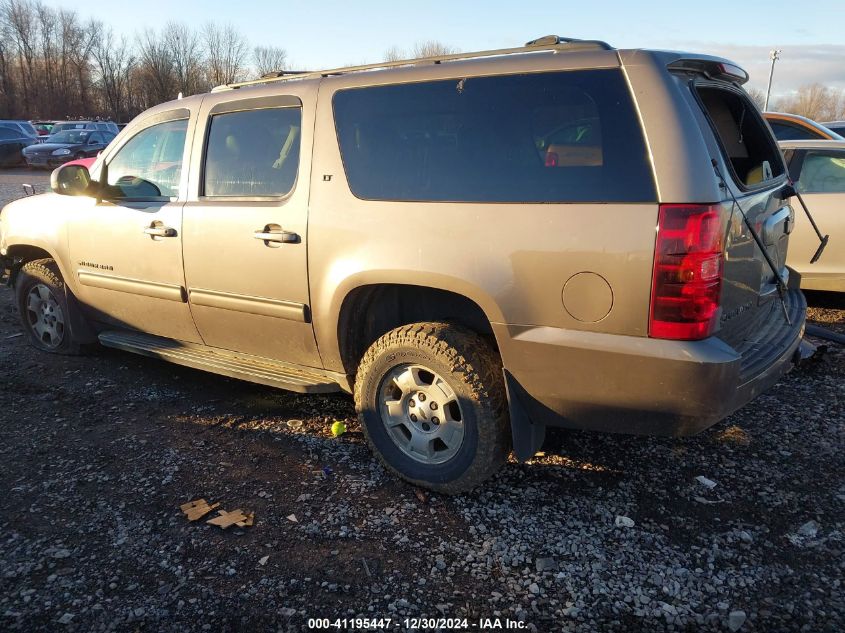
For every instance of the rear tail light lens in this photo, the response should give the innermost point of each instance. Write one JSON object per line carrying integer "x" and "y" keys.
{"x": 688, "y": 268}
{"x": 551, "y": 159}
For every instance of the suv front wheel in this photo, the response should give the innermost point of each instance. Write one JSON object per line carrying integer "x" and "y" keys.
{"x": 431, "y": 400}
{"x": 43, "y": 307}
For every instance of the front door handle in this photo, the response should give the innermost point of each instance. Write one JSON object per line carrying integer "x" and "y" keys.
{"x": 274, "y": 233}
{"x": 160, "y": 231}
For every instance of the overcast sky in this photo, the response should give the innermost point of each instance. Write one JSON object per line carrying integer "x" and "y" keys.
{"x": 330, "y": 33}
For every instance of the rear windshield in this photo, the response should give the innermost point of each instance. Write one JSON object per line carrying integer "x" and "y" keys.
{"x": 544, "y": 137}
{"x": 746, "y": 142}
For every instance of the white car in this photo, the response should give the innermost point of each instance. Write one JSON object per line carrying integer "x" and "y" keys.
{"x": 818, "y": 170}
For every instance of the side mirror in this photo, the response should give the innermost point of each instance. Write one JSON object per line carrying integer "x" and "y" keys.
{"x": 71, "y": 180}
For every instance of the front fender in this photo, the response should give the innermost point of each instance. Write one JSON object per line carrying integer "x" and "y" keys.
{"x": 36, "y": 227}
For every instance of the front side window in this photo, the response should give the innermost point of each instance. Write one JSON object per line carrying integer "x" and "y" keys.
{"x": 822, "y": 172}
{"x": 149, "y": 165}
{"x": 253, "y": 153}
{"x": 542, "y": 137}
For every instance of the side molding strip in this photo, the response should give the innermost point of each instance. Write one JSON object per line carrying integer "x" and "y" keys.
{"x": 277, "y": 308}
{"x": 154, "y": 289}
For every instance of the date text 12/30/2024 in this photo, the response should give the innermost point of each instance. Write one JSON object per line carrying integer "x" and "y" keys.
{"x": 415, "y": 624}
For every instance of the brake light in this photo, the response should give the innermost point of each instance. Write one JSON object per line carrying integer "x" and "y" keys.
{"x": 688, "y": 267}
{"x": 551, "y": 159}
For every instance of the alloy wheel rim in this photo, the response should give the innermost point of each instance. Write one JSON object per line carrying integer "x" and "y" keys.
{"x": 421, "y": 413}
{"x": 45, "y": 316}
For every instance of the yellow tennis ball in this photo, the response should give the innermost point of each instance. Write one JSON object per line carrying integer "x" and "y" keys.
{"x": 338, "y": 428}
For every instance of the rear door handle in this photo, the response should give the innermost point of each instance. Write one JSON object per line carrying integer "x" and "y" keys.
{"x": 160, "y": 231}
{"x": 274, "y": 233}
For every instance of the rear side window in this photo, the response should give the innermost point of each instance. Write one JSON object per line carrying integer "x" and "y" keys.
{"x": 745, "y": 141}
{"x": 544, "y": 137}
{"x": 822, "y": 172}
{"x": 789, "y": 132}
{"x": 253, "y": 152}
{"x": 6, "y": 134}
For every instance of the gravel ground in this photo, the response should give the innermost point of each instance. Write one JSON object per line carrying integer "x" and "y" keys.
{"x": 739, "y": 528}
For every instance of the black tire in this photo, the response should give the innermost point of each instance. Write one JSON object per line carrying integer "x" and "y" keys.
{"x": 34, "y": 276}
{"x": 473, "y": 371}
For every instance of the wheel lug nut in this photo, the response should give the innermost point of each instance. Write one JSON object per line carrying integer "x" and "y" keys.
{"x": 435, "y": 420}
{"x": 421, "y": 396}
{"x": 433, "y": 406}
{"x": 411, "y": 403}
{"x": 413, "y": 418}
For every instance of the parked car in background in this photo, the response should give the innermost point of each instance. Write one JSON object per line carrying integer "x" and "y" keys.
{"x": 12, "y": 142}
{"x": 66, "y": 146}
{"x": 43, "y": 128}
{"x": 105, "y": 126}
{"x": 818, "y": 170}
{"x": 789, "y": 127}
{"x": 836, "y": 126}
{"x": 475, "y": 249}
{"x": 24, "y": 127}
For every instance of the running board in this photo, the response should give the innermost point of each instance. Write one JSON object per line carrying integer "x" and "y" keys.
{"x": 217, "y": 361}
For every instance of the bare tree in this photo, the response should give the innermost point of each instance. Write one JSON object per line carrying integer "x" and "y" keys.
{"x": 757, "y": 96}
{"x": 433, "y": 48}
{"x": 428, "y": 48}
{"x": 155, "y": 66}
{"x": 268, "y": 59}
{"x": 814, "y": 101}
{"x": 114, "y": 63}
{"x": 226, "y": 52}
{"x": 186, "y": 55}
{"x": 20, "y": 17}
{"x": 394, "y": 54}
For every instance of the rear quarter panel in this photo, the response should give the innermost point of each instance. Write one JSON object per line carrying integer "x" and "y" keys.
{"x": 513, "y": 260}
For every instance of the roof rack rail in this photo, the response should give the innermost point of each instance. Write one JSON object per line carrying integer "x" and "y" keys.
{"x": 275, "y": 74}
{"x": 553, "y": 43}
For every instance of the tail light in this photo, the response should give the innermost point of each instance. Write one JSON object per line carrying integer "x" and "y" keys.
{"x": 688, "y": 266}
{"x": 551, "y": 159}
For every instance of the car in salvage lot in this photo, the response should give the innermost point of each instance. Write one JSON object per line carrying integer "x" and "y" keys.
{"x": 476, "y": 246}
{"x": 791, "y": 127}
{"x": 12, "y": 144}
{"x": 67, "y": 146}
{"x": 817, "y": 168}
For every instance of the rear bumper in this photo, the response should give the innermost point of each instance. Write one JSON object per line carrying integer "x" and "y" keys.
{"x": 630, "y": 384}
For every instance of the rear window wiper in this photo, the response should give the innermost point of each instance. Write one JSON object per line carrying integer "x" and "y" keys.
{"x": 781, "y": 285}
{"x": 790, "y": 190}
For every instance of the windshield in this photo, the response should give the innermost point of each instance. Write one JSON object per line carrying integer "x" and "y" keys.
{"x": 71, "y": 136}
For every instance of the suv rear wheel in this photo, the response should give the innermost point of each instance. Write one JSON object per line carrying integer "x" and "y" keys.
{"x": 431, "y": 400}
{"x": 43, "y": 307}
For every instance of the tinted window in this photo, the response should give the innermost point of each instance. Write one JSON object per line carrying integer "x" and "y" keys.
{"x": 6, "y": 134}
{"x": 789, "y": 132}
{"x": 253, "y": 152}
{"x": 823, "y": 173}
{"x": 96, "y": 137}
{"x": 150, "y": 163}
{"x": 550, "y": 137}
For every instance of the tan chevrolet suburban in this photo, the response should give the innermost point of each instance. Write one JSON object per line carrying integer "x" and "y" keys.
{"x": 476, "y": 246}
